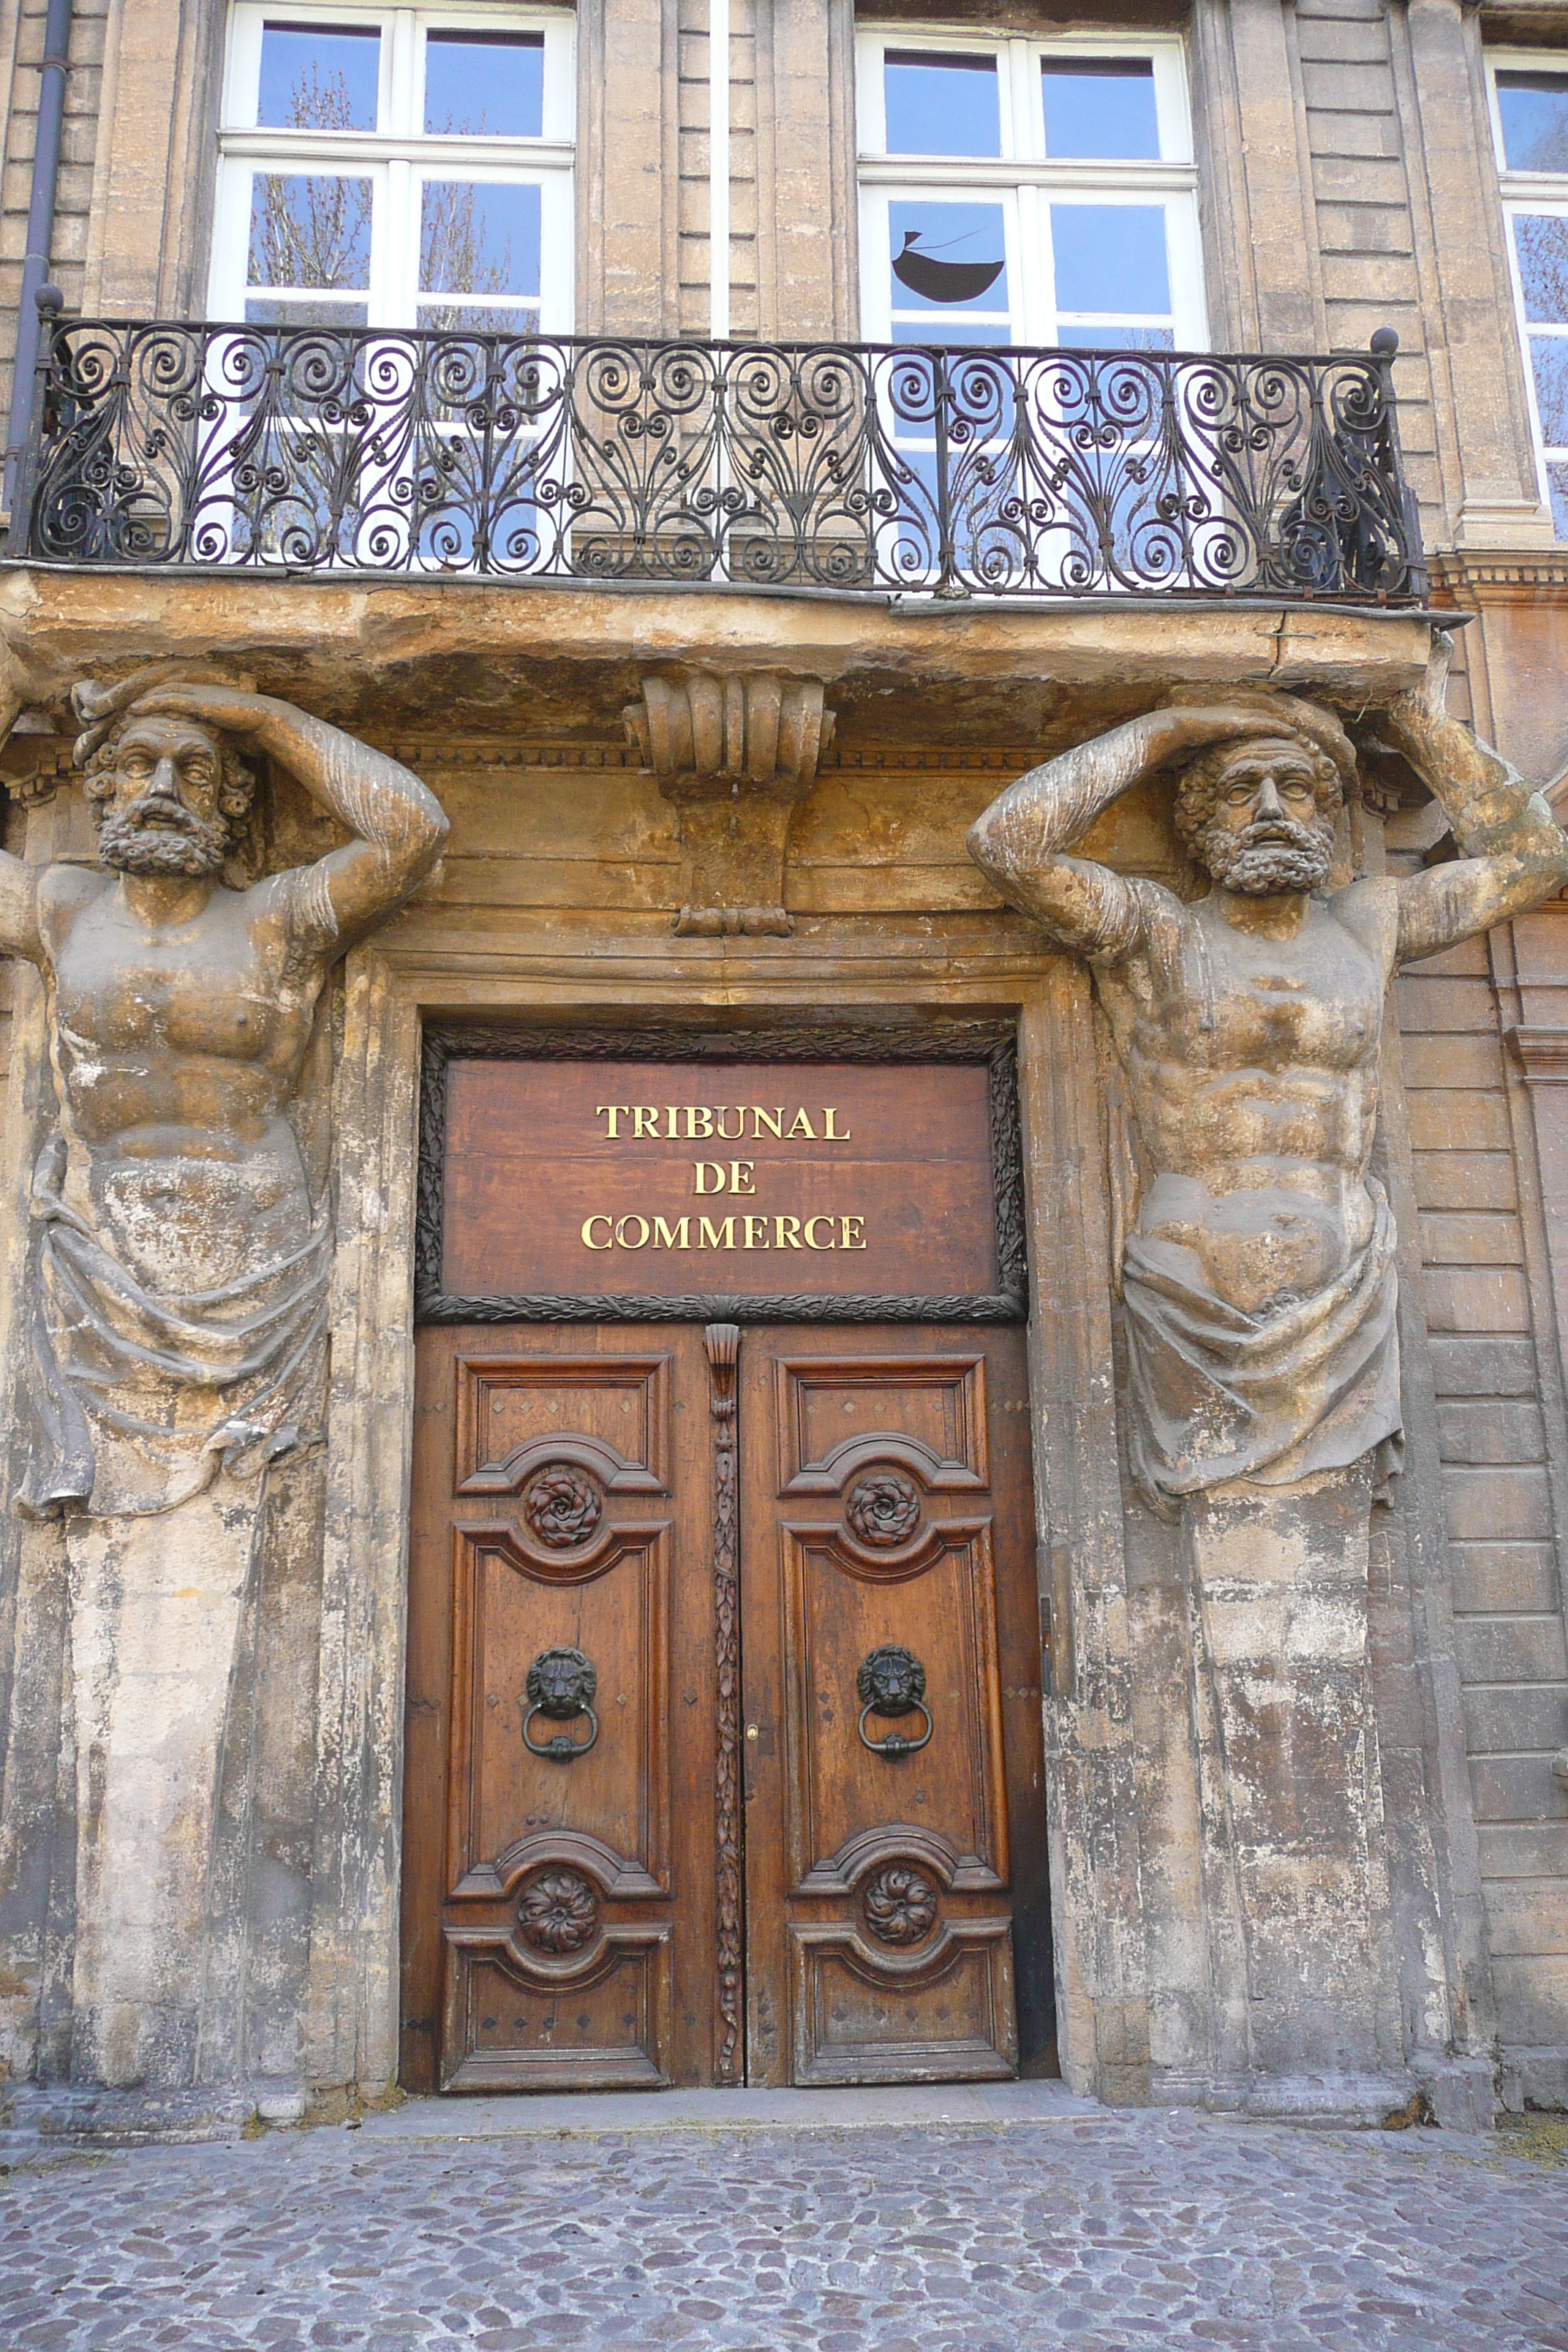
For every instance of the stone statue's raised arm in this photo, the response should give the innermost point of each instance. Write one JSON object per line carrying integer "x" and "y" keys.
{"x": 1020, "y": 842}
{"x": 398, "y": 824}
{"x": 19, "y": 933}
{"x": 1514, "y": 853}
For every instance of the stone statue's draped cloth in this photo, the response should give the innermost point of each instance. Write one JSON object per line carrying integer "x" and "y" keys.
{"x": 1216, "y": 1393}
{"x": 141, "y": 1397}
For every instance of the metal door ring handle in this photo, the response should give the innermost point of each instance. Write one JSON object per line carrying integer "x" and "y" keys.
{"x": 896, "y": 1745}
{"x": 560, "y": 1747}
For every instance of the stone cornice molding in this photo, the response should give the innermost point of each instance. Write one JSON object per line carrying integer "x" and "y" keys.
{"x": 439, "y": 753}
{"x": 1541, "y": 1050}
{"x": 1463, "y": 571}
{"x": 32, "y": 768}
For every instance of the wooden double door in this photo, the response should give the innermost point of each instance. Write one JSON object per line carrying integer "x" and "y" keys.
{"x": 723, "y": 1752}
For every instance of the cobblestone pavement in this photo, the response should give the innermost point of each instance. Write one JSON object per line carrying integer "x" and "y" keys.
{"x": 1102, "y": 2233}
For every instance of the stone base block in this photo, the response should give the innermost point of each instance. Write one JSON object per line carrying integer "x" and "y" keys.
{"x": 1456, "y": 2094}
{"x": 1534, "y": 2076}
{"x": 39, "y": 2117}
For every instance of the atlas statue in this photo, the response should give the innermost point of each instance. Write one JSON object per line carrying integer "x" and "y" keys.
{"x": 1260, "y": 1272}
{"x": 182, "y": 1264}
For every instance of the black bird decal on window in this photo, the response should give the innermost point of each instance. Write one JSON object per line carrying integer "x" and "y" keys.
{"x": 943, "y": 281}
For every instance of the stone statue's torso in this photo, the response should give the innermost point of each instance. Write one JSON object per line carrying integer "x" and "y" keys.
{"x": 1252, "y": 1063}
{"x": 176, "y": 1053}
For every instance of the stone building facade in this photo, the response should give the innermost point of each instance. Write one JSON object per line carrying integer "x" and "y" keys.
{"x": 1304, "y": 1837}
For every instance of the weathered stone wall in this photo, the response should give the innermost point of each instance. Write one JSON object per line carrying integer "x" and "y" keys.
{"x": 21, "y": 47}
{"x": 1496, "y": 1398}
{"x": 1348, "y": 185}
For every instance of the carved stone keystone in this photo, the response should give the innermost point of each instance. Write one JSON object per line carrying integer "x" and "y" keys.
{"x": 734, "y": 756}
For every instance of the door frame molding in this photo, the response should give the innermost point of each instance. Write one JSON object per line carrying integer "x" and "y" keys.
{"x": 392, "y": 991}
{"x": 680, "y": 1037}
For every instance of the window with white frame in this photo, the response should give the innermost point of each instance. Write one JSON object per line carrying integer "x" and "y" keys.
{"x": 396, "y": 167}
{"x": 1028, "y": 192}
{"x": 1528, "y": 96}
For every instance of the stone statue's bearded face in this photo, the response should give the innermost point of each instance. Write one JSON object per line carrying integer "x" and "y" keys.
{"x": 1260, "y": 816}
{"x": 167, "y": 795}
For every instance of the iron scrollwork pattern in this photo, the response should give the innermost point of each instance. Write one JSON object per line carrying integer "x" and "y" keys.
{"x": 891, "y": 1681}
{"x": 560, "y": 1686}
{"x": 900, "y": 1903}
{"x": 882, "y": 1510}
{"x": 845, "y": 467}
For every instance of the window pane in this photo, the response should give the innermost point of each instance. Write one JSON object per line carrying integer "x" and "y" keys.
{"x": 948, "y": 253}
{"x": 485, "y": 85}
{"x": 1534, "y": 111}
{"x": 1099, "y": 106}
{"x": 1540, "y": 240}
{"x": 952, "y": 334}
{"x": 320, "y": 76}
{"x": 941, "y": 105}
{"x": 309, "y": 229}
{"x": 479, "y": 319}
{"x": 1111, "y": 257}
{"x": 1557, "y": 485}
{"x": 478, "y": 237}
{"x": 1107, "y": 337}
{"x": 1549, "y": 363}
{"x": 296, "y": 313}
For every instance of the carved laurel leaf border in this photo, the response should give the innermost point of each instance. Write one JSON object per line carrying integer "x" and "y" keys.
{"x": 993, "y": 1042}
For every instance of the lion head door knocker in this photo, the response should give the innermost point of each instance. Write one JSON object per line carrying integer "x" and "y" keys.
{"x": 891, "y": 1681}
{"x": 560, "y": 1686}
{"x": 882, "y": 1510}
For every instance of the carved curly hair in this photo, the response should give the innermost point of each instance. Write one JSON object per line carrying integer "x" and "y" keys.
{"x": 237, "y": 791}
{"x": 1281, "y": 718}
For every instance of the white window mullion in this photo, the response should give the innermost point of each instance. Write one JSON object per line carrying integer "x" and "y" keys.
{"x": 1034, "y": 307}
{"x": 1021, "y": 69}
{"x": 557, "y": 260}
{"x": 231, "y": 242}
{"x": 1184, "y": 253}
{"x": 1171, "y": 107}
{"x": 395, "y": 268}
{"x": 243, "y": 77}
{"x": 403, "y": 77}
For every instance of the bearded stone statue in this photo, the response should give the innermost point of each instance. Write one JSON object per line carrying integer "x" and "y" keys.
{"x": 1258, "y": 1278}
{"x": 179, "y": 1300}
{"x": 181, "y": 1268}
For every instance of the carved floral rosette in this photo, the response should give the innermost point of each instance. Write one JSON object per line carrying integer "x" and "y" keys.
{"x": 562, "y": 1506}
{"x": 900, "y": 1903}
{"x": 557, "y": 1911}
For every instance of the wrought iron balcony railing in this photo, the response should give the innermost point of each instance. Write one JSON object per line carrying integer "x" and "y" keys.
{"x": 806, "y": 465}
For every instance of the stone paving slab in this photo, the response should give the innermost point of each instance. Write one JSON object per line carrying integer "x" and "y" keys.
{"x": 1102, "y": 2232}
{"x": 915, "y": 2105}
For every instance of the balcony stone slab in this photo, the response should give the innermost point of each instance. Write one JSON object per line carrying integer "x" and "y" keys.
{"x": 379, "y": 657}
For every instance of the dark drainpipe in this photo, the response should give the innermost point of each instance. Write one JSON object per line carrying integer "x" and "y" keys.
{"x": 40, "y": 237}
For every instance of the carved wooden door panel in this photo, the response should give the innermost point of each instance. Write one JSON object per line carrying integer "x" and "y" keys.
{"x": 590, "y": 1899}
{"x": 558, "y": 1878}
{"x": 890, "y": 1702}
